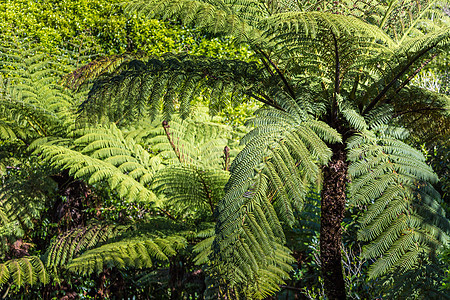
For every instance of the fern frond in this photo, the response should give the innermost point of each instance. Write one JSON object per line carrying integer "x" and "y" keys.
{"x": 220, "y": 17}
{"x": 94, "y": 69}
{"x": 313, "y": 24}
{"x": 426, "y": 113}
{"x": 272, "y": 172}
{"x": 25, "y": 270}
{"x": 31, "y": 104}
{"x": 97, "y": 170}
{"x": 137, "y": 253}
{"x": 142, "y": 87}
{"x": 189, "y": 186}
{"x": 404, "y": 219}
{"x": 73, "y": 242}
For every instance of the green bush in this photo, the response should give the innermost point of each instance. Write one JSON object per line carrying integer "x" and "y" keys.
{"x": 103, "y": 25}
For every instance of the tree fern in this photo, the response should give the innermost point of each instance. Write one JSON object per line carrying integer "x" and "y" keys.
{"x": 333, "y": 78}
{"x": 271, "y": 174}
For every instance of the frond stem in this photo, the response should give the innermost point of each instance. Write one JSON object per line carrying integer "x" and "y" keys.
{"x": 266, "y": 100}
{"x": 226, "y": 158}
{"x": 208, "y": 192}
{"x": 166, "y": 127}
{"x": 38, "y": 130}
{"x": 336, "y": 79}
{"x": 337, "y": 66}
{"x": 280, "y": 74}
{"x": 167, "y": 214}
{"x": 382, "y": 94}
{"x": 266, "y": 66}
{"x": 416, "y": 72}
{"x": 388, "y": 12}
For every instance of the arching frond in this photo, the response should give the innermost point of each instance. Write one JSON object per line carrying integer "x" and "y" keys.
{"x": 401, "y": 65}
{"x": 404, "y": 220}
{"x": 94, "y": 69}
{"x": 96, "y": 170}
{"x": 144, "y": 87}
{"x": 271, "y": 174}
{"x": 70, "y": 244}
{"x": 232, "y": 18}
{"x": 137, "y": 253}
{"x": 22, "y": 271}
{"x": 105, "y": 155}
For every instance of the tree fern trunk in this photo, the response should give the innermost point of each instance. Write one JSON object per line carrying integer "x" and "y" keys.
{"x": 332, "y": 214}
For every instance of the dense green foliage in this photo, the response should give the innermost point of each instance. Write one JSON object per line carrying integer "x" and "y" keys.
{"x": 124, "y": 187}
{"x": 104, "y": 29}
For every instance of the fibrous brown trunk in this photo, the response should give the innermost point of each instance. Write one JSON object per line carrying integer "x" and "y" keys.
{"x": 332, "y": 214}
